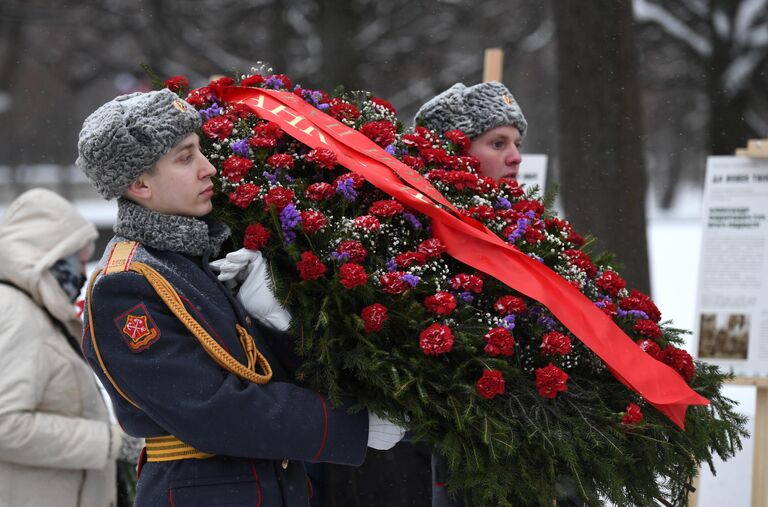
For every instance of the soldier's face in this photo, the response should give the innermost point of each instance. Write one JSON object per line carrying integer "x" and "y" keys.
{"x": 498, "y": 151}
{"x": 180, "y": 183}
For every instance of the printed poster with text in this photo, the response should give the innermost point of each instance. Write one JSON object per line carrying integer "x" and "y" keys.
{"x": 731, "y": 322}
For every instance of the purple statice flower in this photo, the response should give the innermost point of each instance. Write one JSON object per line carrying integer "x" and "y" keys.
{"x": 289, "y": 219}
{"x": 411, "y": 218}
{"x": 240, "y": 147}
{"x": 214, "y": 110}
{"x": 466, "y": 296}
{"x": 390, "y": 149}
{"x": 631, "y": 313}
{"x": 502, "y": 203}
{"x": 410, "y": 279}
{"x": 508, "y": 322}
{"x": 391, "y": 265}
{"x": 519, "y": 232}
{"x": 271, "y": 177}
{"x": 346, "y": 188}
{"x": 536, "y": 257}
{"x": 274, "y": 82}
{"x": 323, "y": 106}
{"x": 548, "y": 322}
{"x": 340, "y": 257}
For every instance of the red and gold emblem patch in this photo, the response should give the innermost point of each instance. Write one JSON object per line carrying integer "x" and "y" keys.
{"x": 137, "y": 328}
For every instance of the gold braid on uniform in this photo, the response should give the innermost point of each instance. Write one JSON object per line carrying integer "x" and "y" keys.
{"x": 171, "y": 298}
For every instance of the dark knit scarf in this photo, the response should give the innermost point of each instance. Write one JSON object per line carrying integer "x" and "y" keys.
{"x": 175, "y": 233}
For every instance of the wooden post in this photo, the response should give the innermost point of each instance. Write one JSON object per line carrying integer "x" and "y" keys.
{"x": 757, "y": 148}
{"x": 759, "y": 440}
{"x": 493, "y": 64}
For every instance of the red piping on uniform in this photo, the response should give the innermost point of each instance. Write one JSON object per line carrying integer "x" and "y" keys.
{"x": 258, "y": 485}
{"x": 325, "y": 429}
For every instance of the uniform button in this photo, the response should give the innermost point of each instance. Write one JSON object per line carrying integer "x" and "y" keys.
{"x": 284, "y": 464}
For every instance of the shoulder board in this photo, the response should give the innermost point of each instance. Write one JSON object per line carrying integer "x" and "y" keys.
{"x": 120, "y": 257}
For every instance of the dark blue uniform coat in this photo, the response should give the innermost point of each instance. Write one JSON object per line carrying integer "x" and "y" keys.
{"x": 260, "y": 435}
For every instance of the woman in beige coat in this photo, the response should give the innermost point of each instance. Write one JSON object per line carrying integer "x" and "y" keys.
{"x": 57, "y": 446}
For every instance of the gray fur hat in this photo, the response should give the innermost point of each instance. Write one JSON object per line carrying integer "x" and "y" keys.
{"x": 126, "y": 136}
{"x": 474, "y": 110}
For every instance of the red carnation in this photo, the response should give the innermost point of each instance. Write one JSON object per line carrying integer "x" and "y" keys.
{"x": 254, "y": 80}
{"x": 499, "y": 341}
{"x": 529, "y": 205}
{"x": 256, "y": 237}
{"x": 534, "y": 236}
{"x": 367, "y": 223}
{"x": 458, "y": 138}
{"x": 648, "y": 328}
{"x": 610, "y": 282}
{"x": 218, "y": 127}
{"x": 482, "y": 212}
{"x": 639, "y": 301}
{"x": 319, "y": 191}
{"x": 374, "y": 317}
{"x": 269, "y": 129}
{"x": 431, "y": 247}
{"x": 323, "y": 157}
{"x": 355, "y": 250}
{"x": 280, "y": 161}
{"x": 244, "y": 195}
{"x": 380, "y": 132}
{"x": 416, "y": 141}
{"x": 632, "y": 415}
{"x": 392, "y": 282}
{"x": 352, "y": 275}
{"x": 436, "y": 339}
{"x": 199, "y": 97}
{"x": 512, "y": 187}
{"x": 310, "y": 266}
{"x": 550, "y": 380}
{"x": 222, "y": 81}
{"x": 507, "y": 305}
{"x": 413, "y": 162}
{"x": 408, "y": 259}
{"x": 343, "y": 111}
{"x": 581, "y": 261}
{"x": 680, "y": 361}
{"x": 385, "y": 104}
{"x": 312, "y": 221}
{"x": 466, "y": 282}
{"x": 554, "y": 343}
{"x": 177, "y": 84}
{"x": 279, "y": 197}
{"x": 650, "y": 347}
{"x": 262, "y": 142}
{"x": 440, "y": 303}
{"x": 235, "y": 168}
{"x": 386, "y": 208}
{"x": 491, "y": 384}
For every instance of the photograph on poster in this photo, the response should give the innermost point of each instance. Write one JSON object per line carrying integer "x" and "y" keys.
{"x": 723, "y": 336}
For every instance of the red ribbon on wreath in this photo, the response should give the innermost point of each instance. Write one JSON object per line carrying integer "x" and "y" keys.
{"x": 473, "y": 244}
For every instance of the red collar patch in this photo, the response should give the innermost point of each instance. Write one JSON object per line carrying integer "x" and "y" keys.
{"x": 137, "y": 328}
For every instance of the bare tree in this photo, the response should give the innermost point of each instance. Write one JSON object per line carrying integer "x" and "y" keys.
{"x": 600, "y": 134}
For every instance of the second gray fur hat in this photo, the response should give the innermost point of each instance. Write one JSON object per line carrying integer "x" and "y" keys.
{"x": 474, "y": 110}
{"x": 126, "y": 136}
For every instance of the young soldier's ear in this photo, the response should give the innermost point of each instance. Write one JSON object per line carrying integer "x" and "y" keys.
{"x": 139, "y": 189}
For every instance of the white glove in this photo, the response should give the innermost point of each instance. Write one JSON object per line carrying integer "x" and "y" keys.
{"x": 255, "y": 294}
{"x": 383, "y": 434}
{"x": 234, "y": 264}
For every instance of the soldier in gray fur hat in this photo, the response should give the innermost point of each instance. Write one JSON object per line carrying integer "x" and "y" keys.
{"x": 185, "y": 367}
{"x": 489, "y": 115}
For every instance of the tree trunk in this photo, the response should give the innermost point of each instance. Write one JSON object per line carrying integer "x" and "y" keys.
{"x": 600, "y": 131}
{"x": 338, "y": 24}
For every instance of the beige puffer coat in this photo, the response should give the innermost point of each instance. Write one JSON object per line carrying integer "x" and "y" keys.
{"x": 54, "y": 424}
